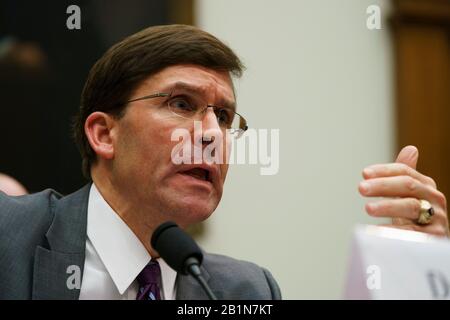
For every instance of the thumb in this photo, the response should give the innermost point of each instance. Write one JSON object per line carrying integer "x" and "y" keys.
{"x": 409, "y": 156}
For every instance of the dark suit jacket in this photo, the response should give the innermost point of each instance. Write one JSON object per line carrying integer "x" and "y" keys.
{"x": 42, "y": 234}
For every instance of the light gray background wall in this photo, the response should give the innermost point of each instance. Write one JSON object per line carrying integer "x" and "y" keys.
{"x": 317, "y": 73}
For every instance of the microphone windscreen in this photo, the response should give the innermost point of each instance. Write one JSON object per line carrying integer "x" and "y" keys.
{"x": 175, "y": 246}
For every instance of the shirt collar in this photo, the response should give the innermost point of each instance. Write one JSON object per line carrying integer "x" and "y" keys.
{"x": 120, "y": 250}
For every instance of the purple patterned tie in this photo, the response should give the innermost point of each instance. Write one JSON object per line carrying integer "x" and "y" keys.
{"x": 149, "y": 280}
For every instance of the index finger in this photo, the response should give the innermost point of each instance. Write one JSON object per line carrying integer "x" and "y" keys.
{"x": 396, "y": 169}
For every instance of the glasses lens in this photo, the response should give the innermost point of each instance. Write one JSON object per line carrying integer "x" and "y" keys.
{"x": 227, "y": 119}
{"x": 183, "y": 107}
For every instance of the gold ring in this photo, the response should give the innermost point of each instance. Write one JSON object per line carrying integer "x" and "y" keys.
{"x": 426, "y": 212}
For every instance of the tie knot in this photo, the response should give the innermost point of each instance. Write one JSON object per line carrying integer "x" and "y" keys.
{"x": 151, "y": 274}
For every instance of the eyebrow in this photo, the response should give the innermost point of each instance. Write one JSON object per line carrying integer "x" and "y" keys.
{"x": 180, "y": 85}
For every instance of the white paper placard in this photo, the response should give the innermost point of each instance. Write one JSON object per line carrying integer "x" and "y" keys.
{"x": 388, "y": 263}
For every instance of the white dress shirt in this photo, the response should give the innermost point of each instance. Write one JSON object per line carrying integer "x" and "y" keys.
{"x": 115, "y": 256}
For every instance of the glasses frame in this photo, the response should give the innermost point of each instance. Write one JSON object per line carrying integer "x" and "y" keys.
{"x": 164, "y": 94}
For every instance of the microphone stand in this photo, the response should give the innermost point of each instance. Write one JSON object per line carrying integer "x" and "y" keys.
{"x": 193, "y": 268}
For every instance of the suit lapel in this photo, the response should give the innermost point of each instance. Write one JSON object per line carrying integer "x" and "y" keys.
{"x": 58, "y": 270}
{"x": 189, "y": 289}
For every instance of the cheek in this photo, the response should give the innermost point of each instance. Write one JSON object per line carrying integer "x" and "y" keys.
{"x": 137, "y": 147}
{"x": 148, "y": 145}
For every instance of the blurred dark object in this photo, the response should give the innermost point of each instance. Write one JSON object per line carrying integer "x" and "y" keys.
{"x": 43, "y": 66}
{"x": 421, "y": 31}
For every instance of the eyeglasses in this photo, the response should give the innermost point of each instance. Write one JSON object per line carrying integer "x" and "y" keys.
{"x": 189, "y": 107}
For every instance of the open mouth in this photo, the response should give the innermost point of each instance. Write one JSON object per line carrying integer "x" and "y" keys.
{"x": 198, "y": 173}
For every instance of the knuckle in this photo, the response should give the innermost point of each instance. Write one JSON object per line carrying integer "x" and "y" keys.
{"x": 441, "y": 199}
{"x": 404, "y": 169}
{"x": 411, "y": 184}
{"x": 431, "y": 182}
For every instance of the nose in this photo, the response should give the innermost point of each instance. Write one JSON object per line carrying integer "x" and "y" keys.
{"x": 210, "y": 127}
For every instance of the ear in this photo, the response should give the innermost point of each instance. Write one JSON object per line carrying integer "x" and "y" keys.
{"x": 99, "y": 129}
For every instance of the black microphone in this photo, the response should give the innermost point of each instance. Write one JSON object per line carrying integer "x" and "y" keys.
{"x": 180, "y": 252}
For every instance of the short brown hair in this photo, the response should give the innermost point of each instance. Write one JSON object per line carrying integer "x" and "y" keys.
{"x": 117, "y": 73}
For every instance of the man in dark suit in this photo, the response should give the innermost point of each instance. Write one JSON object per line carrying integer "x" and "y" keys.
{"x": 148, "y": 91}
{"x": 94, "y": 244}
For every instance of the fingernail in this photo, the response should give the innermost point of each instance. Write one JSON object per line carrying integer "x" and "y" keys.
{"x": 372, "y": 207}
{"x": 365, "y": 187}
{"x": 368, "y": 172}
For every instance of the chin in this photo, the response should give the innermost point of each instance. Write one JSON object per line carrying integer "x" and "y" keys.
{"x": 197, "y": 211}
{"x": 188, "y": 207}
{"x": 189, "y": 211}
